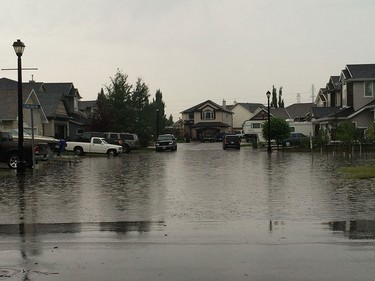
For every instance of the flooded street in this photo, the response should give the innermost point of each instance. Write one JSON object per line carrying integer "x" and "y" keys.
{"x": 200, "y": 213}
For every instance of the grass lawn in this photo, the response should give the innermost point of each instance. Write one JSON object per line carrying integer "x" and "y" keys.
{"x": 359, "y": 172}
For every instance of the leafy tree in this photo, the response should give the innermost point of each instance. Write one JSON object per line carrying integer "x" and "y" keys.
{"x": 279, "y": 129}
{"x": 141, "y": 111}
{"x": 274, "y": 98}
{"x": 346, "y": 132}
{"x": 101, "y": 118}
{"x": 281, "y": 100}
{"x": 119, "y": 97}
{"x": 124, "y": 108}
{"x": 170, "y": 120}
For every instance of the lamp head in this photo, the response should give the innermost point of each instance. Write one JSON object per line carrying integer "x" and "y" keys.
{"x": 268, "y": 94}
{"x": 18, "y": 46}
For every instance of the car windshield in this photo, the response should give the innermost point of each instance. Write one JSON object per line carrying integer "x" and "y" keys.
{"x": 165, "y": 137}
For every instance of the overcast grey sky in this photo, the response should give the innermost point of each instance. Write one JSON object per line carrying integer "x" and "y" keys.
{"x": 190, "y": 50}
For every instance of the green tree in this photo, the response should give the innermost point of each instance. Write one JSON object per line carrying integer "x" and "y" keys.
{"x": 141, "y": 108}
{"x": 281, "y": 100}
{"x": 274, "y": 98}
{"x": 346, "y": 132}
{"x": 101, "y": 118}
{"x": 280, "y": 129}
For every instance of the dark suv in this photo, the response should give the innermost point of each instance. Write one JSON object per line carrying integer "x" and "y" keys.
{"x": 233, "y": 141}
{"x": 166, "y": 142}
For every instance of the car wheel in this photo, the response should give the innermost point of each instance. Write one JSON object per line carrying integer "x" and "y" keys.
{"x": 111, "y": 152}
{"x": 12, "y": 161}
{"x": 78, "y": 151}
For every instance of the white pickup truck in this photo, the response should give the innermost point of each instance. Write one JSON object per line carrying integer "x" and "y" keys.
{"x": 96, "y": 145}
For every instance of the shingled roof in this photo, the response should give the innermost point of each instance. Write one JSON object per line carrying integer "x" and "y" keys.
{"x": 196, "y": 107}
{"x": 361, "y": 71}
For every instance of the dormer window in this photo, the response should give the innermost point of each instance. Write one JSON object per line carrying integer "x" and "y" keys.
{"x": 208, "y": 115}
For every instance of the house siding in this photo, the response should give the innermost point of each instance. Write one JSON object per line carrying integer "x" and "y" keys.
{"x": 241, "y": 114}
{"x": 358, "y": 96}
{"x": 362, "y": 119}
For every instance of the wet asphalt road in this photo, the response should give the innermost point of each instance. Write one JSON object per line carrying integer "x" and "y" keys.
{"x": 200, "y": 213}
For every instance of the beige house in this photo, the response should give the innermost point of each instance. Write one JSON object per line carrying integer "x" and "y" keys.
{"x": 243, "y": 112}
{"x": 207, "y": 119}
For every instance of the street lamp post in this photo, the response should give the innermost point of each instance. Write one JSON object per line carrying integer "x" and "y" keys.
{"x": 157, "y": 123}
{"x": 21, "y": 164}
{"x": 268, "y": 94}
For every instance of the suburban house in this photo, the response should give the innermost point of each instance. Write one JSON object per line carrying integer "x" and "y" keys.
{"x": 59, "y": 115}
{"x": 9, "y": 108}
{"x": 243, "y": 112}
{"x": 349, "y": 96}
{"x": 207, "y": 118}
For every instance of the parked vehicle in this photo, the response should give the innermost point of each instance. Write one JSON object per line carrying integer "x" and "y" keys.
{"x": 296, "y": 139}
{"x": 166, "y": 142}
{"x": 208, "y": 136}
{"x": 127, "y": 140}
{"x": 96, "y": 145}
{"x": 231, "y": 141}
{"x": 9, "y": 151}
{"x": 87, "y": 136}
{"x": 219, "y": 136}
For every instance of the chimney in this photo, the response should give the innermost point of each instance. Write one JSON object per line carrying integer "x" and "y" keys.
{"x": 234, "y": 102}
{"x": 224, "y": 104}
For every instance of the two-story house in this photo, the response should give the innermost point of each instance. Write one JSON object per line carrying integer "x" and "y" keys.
{"x": 59, "y": 115}
{"x": 207, "y": 117}
{"x": 349, "y": 96}
{"x": 243, "y": 112}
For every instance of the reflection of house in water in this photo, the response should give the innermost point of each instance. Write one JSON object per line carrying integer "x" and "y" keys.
{"x": 360, "y": 229}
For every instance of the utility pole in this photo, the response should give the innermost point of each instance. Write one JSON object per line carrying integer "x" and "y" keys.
{"x": 312, "y": 93}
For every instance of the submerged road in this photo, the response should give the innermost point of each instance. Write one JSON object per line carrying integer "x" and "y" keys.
{"x": 199, "y": 213}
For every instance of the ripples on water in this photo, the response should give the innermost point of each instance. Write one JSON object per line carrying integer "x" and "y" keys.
{"x": 198, "y": 182}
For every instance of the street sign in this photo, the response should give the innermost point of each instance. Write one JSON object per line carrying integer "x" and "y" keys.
{"x": 31, "y": 106}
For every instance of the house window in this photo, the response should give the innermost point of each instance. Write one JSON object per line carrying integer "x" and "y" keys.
{"x": 75, "y": 104}
{"x": 369, "y": 89}
{"x": 256, "y": 125}
{"x": 208, "y": 114}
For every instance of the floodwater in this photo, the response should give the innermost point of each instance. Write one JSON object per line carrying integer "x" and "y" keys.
{"x": 200, "y": 213}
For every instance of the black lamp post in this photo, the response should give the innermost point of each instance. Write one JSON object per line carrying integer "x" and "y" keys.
{"x": 21, "y": 164}
{"x": 157, "y": 123}
{"x": 268, "y": 94}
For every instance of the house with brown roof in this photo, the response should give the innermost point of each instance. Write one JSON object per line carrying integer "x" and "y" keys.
{"x": 207, "y": 117}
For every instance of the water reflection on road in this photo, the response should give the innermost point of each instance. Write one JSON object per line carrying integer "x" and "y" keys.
{"x": 199, "y": 196}
{"x": 198, "y": 182}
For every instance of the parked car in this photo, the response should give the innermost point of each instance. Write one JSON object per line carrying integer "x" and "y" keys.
{"x": 208, "y": 136}
{"x": 295, "y": 139}
{"x": 219, "y": 136}
{"x": 9, "y": 151}
{"x": 86, "y": 136}
{"x": 166, "y": 142}
{"x": 127, "y": 140}
{"x": 231, "y": 141}
{"x": 96, "y": 145}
